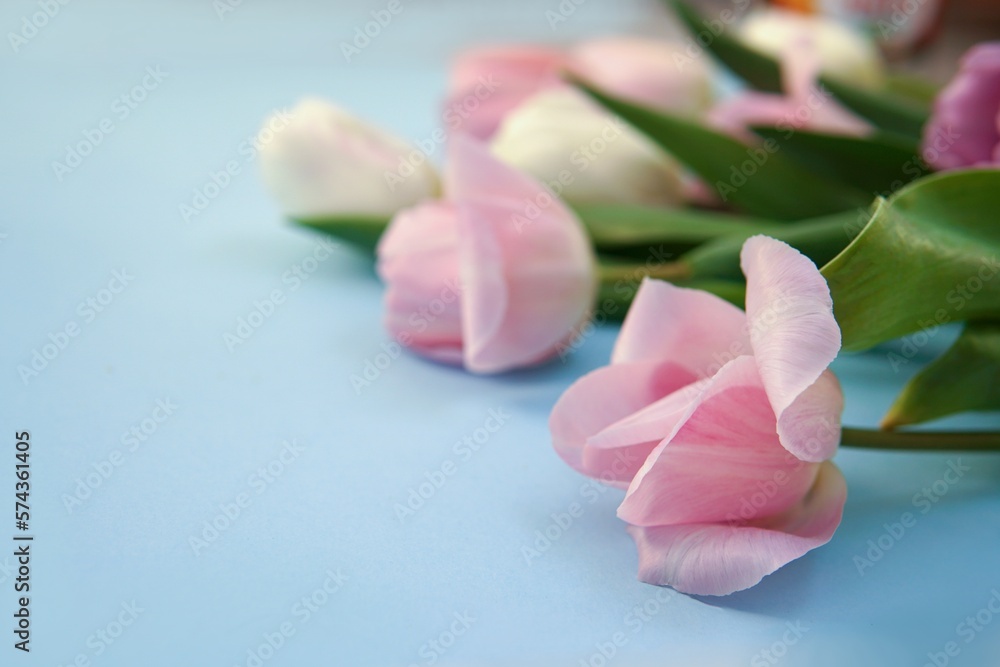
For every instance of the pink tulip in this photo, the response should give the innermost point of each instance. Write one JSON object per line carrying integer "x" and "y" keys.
{"x": 651, "y": 72}
{"x": 720, "y": 424}
{"x": 496, "y": 276}
{"x": 488, "y": 83}
{"x": 804, "y": 106}
{"x": 964, "y": 130}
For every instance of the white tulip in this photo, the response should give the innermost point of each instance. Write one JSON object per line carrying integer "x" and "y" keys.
{"x": 841, "y": 51}
{"x": 319, "y": 160}
{"x": 584, "y": 153}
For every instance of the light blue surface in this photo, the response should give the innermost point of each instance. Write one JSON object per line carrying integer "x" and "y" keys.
{"x": 332, "y": 507}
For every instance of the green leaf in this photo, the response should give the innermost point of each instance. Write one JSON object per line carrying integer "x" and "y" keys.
{"x": 919, "y": 92}
{"x": 761, "y": 183}
{"x": 619, "y": 282}
{"x": 885, "y": 111}
{"x": 759, "y": 70}
{"x": 362, "y": 232}
{"x": 626, "y": 228}
{"x": 928, "y": 256}
{"x": 879, "y": 164}
{"x": 819, "y": 239}
{"x": 966, "y": 377}
{"x": 735, "y": 292}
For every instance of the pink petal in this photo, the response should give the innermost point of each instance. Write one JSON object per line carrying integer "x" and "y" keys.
{"x": 651, "y": 72}
{"x": 810, "y": 426}
{"x": 418, "y": 261}
{"x": 487, "y": 83}
{"x": 832, "y": 118}
{"x": 473, "y": 174}
{"x": 724, "y": 462}
{"x": 653, "y": 422}
{"x": 602, "y": 398}
{"x": 800, "y": 65}
{"x": 803, "y": 106}
{"x": 811, "y": 107}
{"x": 481, "y": 266}
{"x": 691, "y": 327}
{"x": 735, "y": 115}
{"x": 426, "y": 228}
{"x": 528, "y": 283}
{"x": 792, "y": 328}
{"x": 715, "y": 559}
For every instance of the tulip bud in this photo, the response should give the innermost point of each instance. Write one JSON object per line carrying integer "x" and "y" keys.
{"x": 497, "y": 275}
{"x": 486, "y": 83}
{"x": 651, "y": 72}
{"x": 842, "y": 52}
{"x": 964, "y": 130}
{"x": 326, "y": 163}
{"x": 585, "y": 154}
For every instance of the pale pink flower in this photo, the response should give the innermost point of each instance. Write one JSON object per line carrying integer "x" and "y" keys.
{"x": 651, "y": 72}
{"x": 803, "y": 106}
{"x": 719, "y": 423}
{"x": 497, "y": 275}
{"x": 486, "y": 84}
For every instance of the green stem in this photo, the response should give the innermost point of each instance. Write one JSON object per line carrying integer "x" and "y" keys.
{"x": 819, "y": 239}
{"x": 611, "y": 273}
{"x": 616, "y": 228}
{"x": 941, "y": 441}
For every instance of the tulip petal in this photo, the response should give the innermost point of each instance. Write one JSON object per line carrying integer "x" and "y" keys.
{"x": 838, "y": 49}
{"x": 810, "y": 426}
{"x": 802, "y": 106}
{"x": 600, "y": 399}
{"x": 488, "y": 83}
{"x": 482, "y": 275}
{"x": 646, "y": 71}
{"x": 543, "y": 137}
{"x": 653, "y": 422}
{"x": 713, "y": 559}
{"x": 692, "y": 327}
{"x": 734, "y": 115}
{"x": 963, "y": 131}
{"x": 418, "y": 261}
{"x": 730, "y": 431}
{"x": 474, "y": 174}
{"x": 800, "y": 67}
{"x": 426, "y": 228}
{"x": 528, "y": 283}
{"x": 792, "y": 328}
{"x": 319, "y": 160}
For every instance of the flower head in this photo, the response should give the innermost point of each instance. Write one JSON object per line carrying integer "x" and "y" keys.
{"x": 497, "y": 275}
{"x": 719, "y": 423}
{"x": 561, "y": 137}
{"x": 964, "y": 130}
{"x": 327, "y": 162}
{"x": 488, "y": 83}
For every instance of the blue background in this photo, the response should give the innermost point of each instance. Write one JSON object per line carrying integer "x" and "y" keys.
{"x": 332, "y": 508}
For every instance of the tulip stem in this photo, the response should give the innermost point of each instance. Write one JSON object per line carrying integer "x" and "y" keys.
{"x": 634, "y": 273}
{"x": 926, "y": 441}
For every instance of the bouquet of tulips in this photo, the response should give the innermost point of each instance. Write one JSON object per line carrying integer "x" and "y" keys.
{"x": 743, "y": 239}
